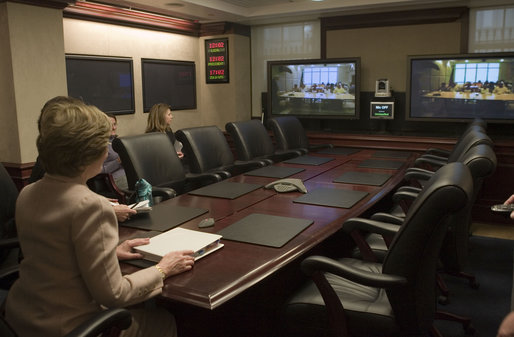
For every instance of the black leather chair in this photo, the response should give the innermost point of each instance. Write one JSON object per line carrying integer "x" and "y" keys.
{"x": 103, "y": 184}
{"x": 290, "y": 135}
{"x": 151, "y": 156}
{"x": 252, "y": 141}
{"x": 398, "y": 297}
{"x": 9, "y": 246}
{"x": 108, "y": 323}
{"x": 206, "y": 150}
{"x": 477, "y": 124}
{"x": 472, "y": 138}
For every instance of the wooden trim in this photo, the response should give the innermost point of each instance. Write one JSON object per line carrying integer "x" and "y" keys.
{"x": 20, "y": 173}
{"x": 221, "y": 28}
{"x": 413, "y": 17}
{"x": 131, "y": 17}
{"x": 59, "y": 4}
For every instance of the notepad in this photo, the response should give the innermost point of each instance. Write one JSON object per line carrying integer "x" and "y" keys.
{"x": 180, "y": 239}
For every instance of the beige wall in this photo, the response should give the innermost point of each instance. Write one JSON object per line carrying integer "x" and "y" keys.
{"x": 31, "y": 70}
{"x": 384, "y": 50}
{"x": 216, "y": 103}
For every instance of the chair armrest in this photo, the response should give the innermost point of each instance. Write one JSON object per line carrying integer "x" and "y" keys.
{"x": 314, "y": 264}
{"x": 112, "y": 318}
{"x": 281, "y": 155}
{"x": 244, "y": 166}
{"x": 433, "y": 161}
{"x": 404, "y": 196}
{"x": 369, "y": 226}
{"x": 438, "y": 152}
{"x": 313, "y": 147}
{"x": 389, "y": 218}
{"x": 164, "y": 192}
{"x": 209, "y": 178}
{"x": 9, "y": 243}
{"x": 416, "y": 173}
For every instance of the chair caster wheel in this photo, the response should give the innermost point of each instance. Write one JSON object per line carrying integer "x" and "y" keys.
{"x": 443, "y": 300}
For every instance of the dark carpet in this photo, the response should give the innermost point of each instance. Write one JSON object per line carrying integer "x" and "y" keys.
{"x": 491, "y": 261}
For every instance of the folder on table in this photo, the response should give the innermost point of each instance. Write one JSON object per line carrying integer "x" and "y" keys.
{"x": 180, "y": 239}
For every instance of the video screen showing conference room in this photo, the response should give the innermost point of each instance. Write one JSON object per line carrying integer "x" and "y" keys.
{"x": 462, "y": 87}
{"x": 314, "y": 88}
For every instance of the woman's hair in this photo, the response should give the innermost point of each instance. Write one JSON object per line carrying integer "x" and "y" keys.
{"x": 157, "y": 118}
{"x": 72, "y": 135}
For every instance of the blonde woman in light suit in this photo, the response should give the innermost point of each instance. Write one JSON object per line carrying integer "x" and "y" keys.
{"x": 159, "y": 120}
{"x": 69, "y": 238}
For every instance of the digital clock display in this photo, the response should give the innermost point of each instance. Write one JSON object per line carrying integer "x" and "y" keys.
{"x": 216, "y": 60}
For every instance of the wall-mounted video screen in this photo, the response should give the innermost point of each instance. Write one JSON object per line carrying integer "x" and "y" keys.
{"x": 461, "y": 87}
{"x": 106, "y": 82}
{"x": 170, "y": 82}
{"x": 326, "y": 89}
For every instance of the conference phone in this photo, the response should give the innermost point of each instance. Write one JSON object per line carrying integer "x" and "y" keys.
{"x": 287, "y": 185}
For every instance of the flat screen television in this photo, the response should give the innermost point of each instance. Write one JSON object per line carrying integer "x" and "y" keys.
{"x": 461, "y": 87}
{"x": 106, "y": 82}
{"x": 170, "y": 82}
{"x": 324, "y": 89}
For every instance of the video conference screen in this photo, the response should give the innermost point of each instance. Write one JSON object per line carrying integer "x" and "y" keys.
{"x": 105, "y": 82}
{"x": 455, "y": 87}
{"x": 170, "y": 82}
{"x": 314, "y": 88}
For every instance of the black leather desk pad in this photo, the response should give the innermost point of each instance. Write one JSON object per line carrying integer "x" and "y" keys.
{"x": 141, "y": 263}
{"x": 275, "y": 171}
{"x": 363, "y": 178}
{"x": 391, "y": 154}
{"x": 308, "y": 160}
{"x": 265, "y": 230}
{"x": 163, "y": 217}
{"x": 225, "y": 190}
{"x": 339, "y": 150}
{"x": 383, "y": 164}
{"x": 332, "y": 197}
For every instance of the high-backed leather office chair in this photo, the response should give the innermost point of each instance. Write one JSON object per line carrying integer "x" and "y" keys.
{"x": 104, "y": 184}
{"x": 9, "y": 246}
{"x": 477, "y": 124}
{"x": 107, "y": 323}
{"x": 206, "y": 150}
{"x": 472, "y": 138}
{"x": 252, "y": 141}
{"x": 151, "y": 156}
{"x": 353, "y": 297}
{"x": 290, "y": 135}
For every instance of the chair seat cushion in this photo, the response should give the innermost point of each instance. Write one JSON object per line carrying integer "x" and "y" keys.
{"x": 367, "y": 309}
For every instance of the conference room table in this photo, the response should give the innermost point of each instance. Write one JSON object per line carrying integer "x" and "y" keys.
{"x": 226, "y": 273}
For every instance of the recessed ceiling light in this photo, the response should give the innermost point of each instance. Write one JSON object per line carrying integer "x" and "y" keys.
{"x": 317, "y": 0}
{"x": 174, "y": 4}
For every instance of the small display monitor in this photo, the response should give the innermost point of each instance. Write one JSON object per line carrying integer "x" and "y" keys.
{"x": 381, "y": 110}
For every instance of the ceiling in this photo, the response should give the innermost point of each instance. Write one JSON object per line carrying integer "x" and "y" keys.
{"x": 255, "y": 12}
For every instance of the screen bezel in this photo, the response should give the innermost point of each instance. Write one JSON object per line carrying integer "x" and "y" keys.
{"x": 435, "y": 57}
{"x": 372, "y": 116}
{"x": 355, "y": 60}
{"x": 95, "y": 58}
{"x": 147, "y": 105}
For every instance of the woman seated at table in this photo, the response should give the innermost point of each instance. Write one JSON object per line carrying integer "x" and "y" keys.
{"x": 69, "y": 237}
{"x": 159, "y": 120}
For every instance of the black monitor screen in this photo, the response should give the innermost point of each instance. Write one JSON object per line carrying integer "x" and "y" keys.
{"x": 314, "y": 88}
{"x": 170, "y": 82}
{"x": 461, "y": 87}
{"x": 105, "y": 82}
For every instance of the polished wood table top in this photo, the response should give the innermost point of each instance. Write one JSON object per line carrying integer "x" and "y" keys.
{"x": 238, "y": 266}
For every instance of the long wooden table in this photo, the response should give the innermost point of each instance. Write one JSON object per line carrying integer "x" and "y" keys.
{"x": 238, "y": 266}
